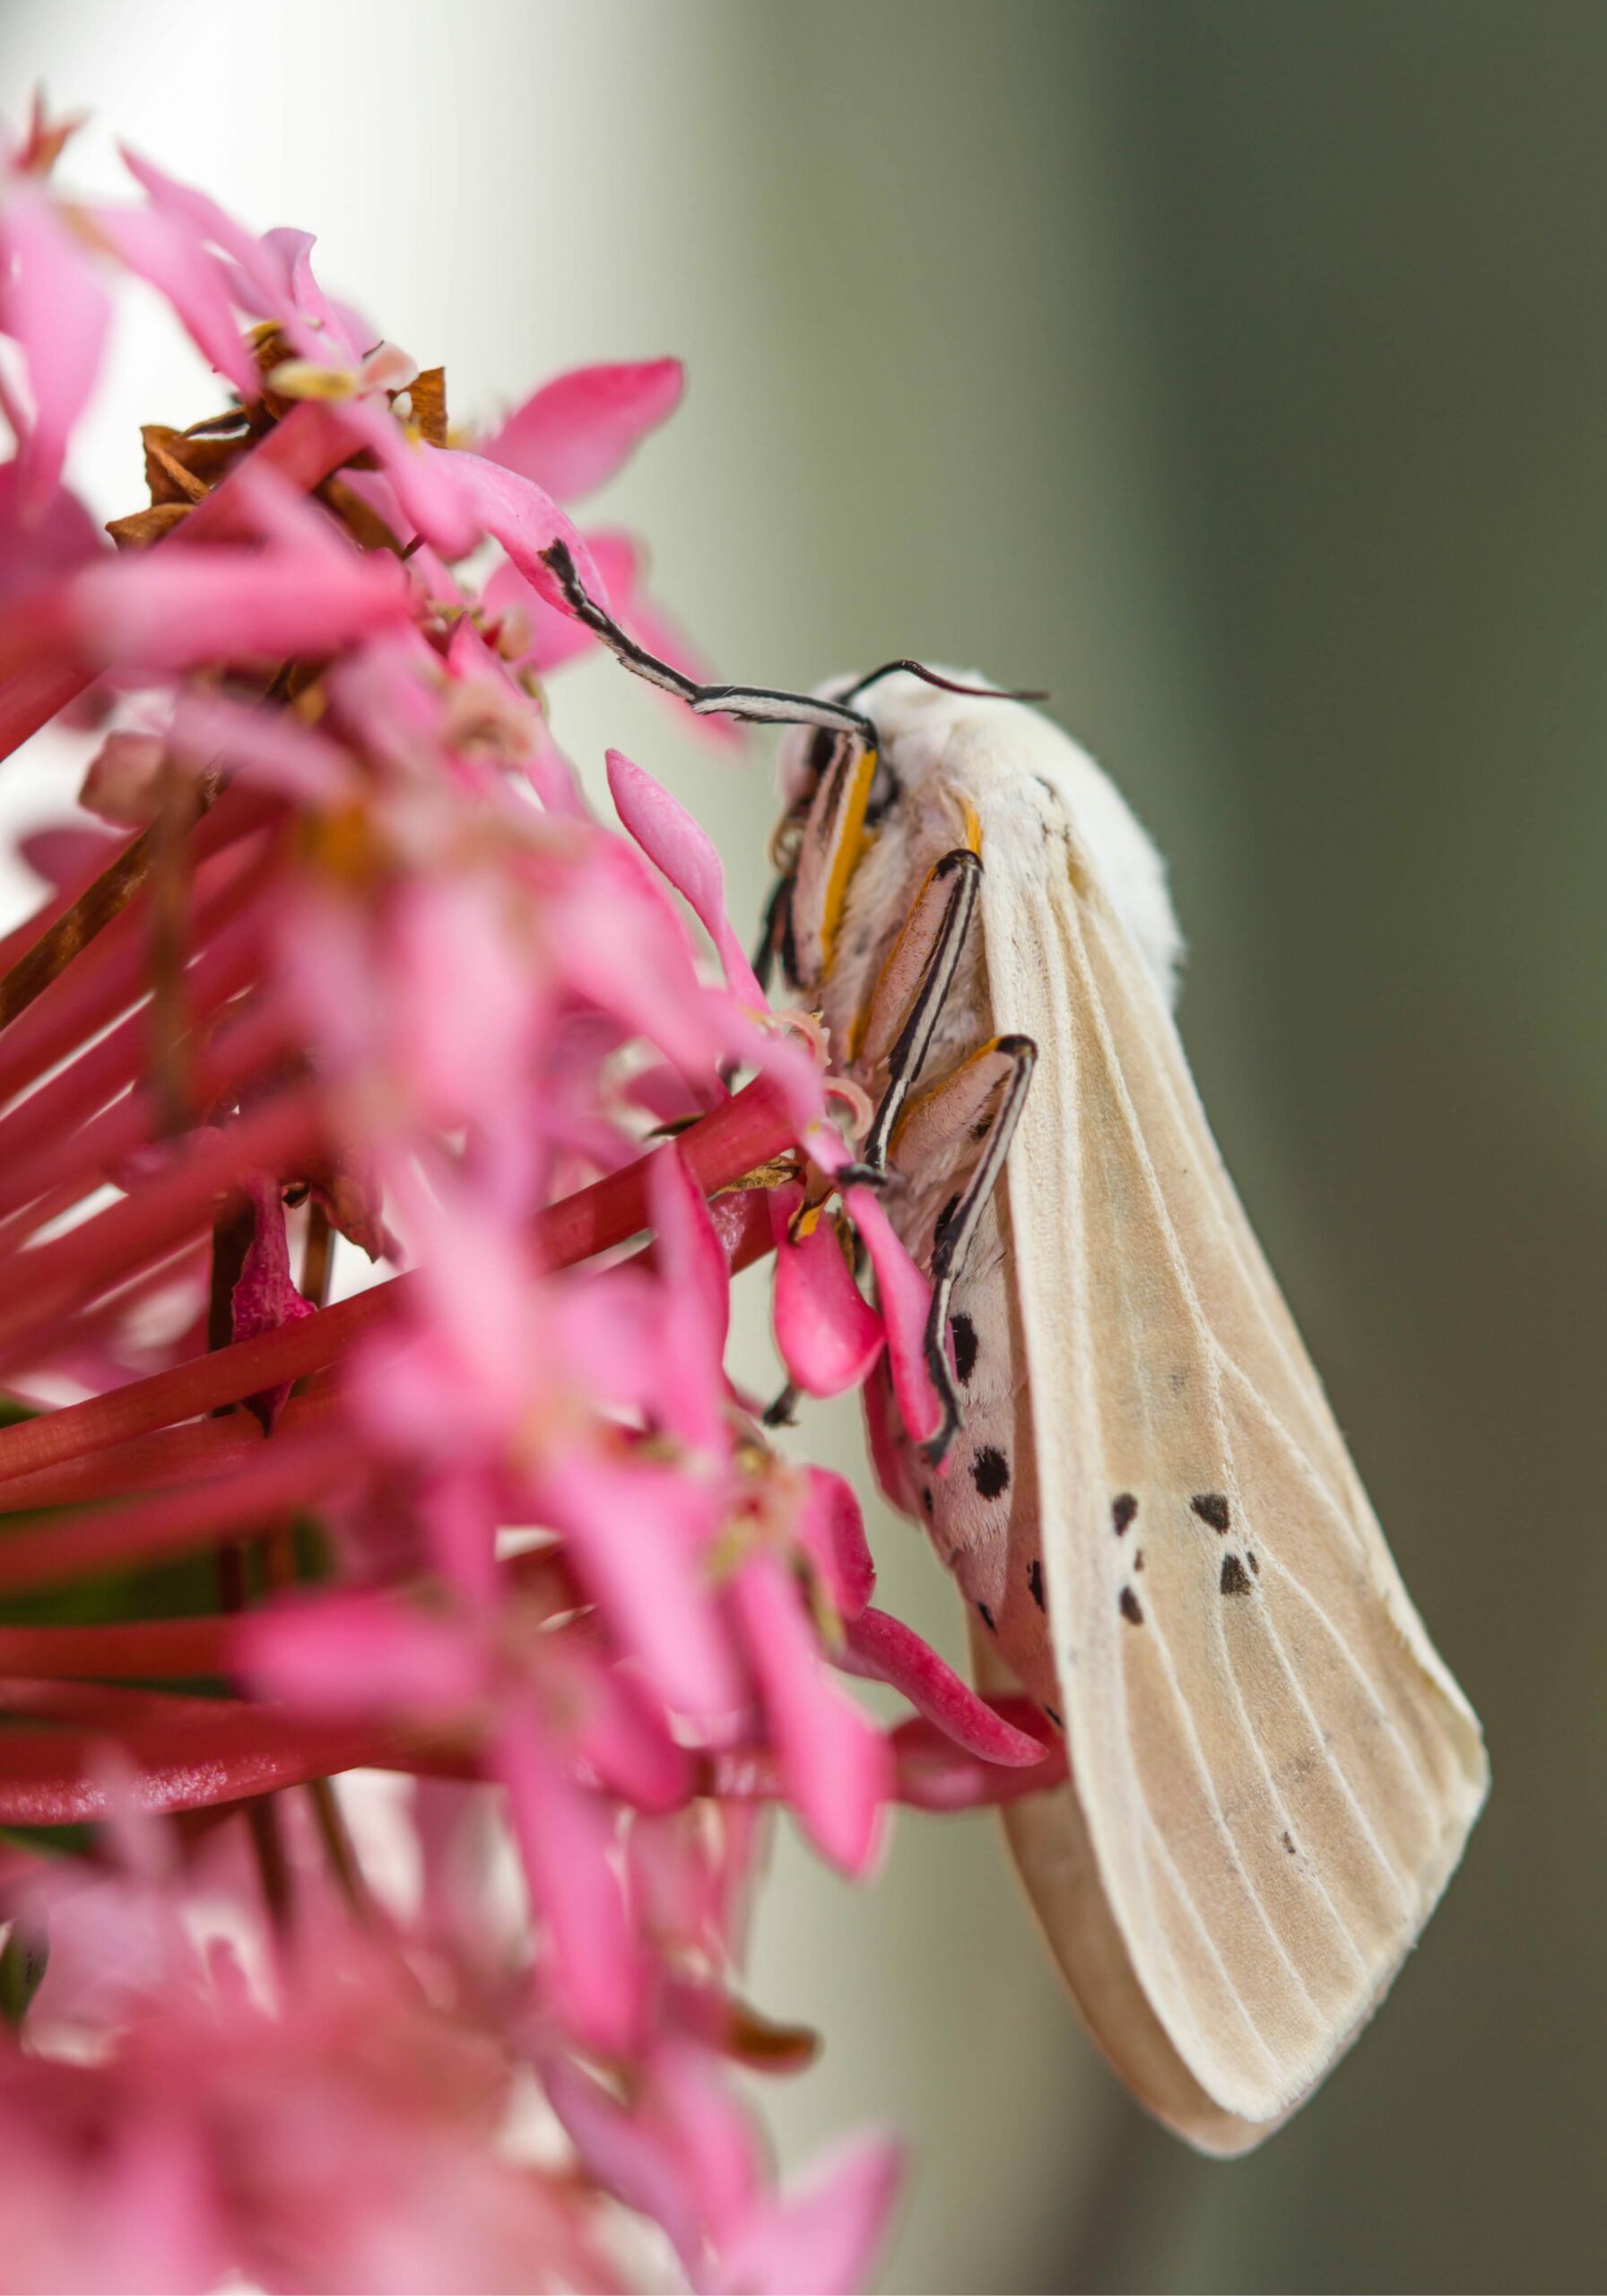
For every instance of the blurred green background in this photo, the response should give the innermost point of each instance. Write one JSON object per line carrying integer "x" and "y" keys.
{"x": 1239, "y": 372}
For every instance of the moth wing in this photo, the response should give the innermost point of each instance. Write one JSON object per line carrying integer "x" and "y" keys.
{"x": 1049, "y": 1839}
{"x": 1274, "y": 1773}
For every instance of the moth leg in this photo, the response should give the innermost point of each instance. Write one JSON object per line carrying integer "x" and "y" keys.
{"x": 758, "y": 703}
{"x": 908, "y": 997}
{"x": 980, "y": 1101}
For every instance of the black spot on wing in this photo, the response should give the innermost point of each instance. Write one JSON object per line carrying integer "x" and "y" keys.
{"x": 1288, "y": 1840}
{"x": 990, "y": 1471}
{"x": 1138, "y": 1558}
{"x": 1133, "y": 1610}
{"x": 1250, "y": 1559}
{"x": 1211, "y": 1507}
{"x": 1054, "y": 1718}
{"x": 964, "y": 1333}
{"x": 1035, "y": 1581}
{"x": 1124, "y": 1507}
{"x": 946, "y": 1214}
{"x": 986, "y": 1617}
{"x": 982, "y": 1127}
{"x": 1236, "y": 1578}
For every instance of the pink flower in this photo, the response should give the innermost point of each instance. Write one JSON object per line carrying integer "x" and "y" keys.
{"x": 55, "y": 311}
{"x": 502, "y": 1521}
{"x": 577, "y": 430}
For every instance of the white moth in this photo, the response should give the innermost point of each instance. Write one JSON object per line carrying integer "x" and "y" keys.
{"x": 1148, "y": 1508}
{"x": 1146, "y": 1502}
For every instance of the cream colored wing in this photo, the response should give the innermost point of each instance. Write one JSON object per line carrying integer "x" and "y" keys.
{"x": 1274, "y": 1774}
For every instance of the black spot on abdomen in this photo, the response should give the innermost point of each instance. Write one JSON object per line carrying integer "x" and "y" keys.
{"x": 1236, "y": 1578}
{"x": 1133, "y": 1610}
{"x": 990, "y": 1472}
{"x": 964, "y": 1332}
{"x": 1211, "y": 1507}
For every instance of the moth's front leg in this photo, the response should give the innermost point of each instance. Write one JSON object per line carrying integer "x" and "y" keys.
{"x": 908, "y": 999}
{"x": 976, "y": 1105}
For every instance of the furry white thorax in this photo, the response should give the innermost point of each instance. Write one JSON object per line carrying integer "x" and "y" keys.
{"x": 938, "y": 746}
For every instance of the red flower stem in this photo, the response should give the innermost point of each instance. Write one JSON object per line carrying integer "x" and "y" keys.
{"x": 181, "y": 1268}
{"x": 291, "y": 1470}
{"x": 17, "y": 1226}
{"x": 134, "y": 873}
{"x": 50, "y": 1280}
{"x": 111, "y": 974}
{"x": 303, "y": 449}
{"x": 740, "y": 1134}
{"x": 22, "y": 937}
{"x": 95, "y": 1152}
{"x": 138, "y": 1650}
{"x": 213, "y": 1752}
{"x": 156, "y": 1462}
{"x": 192, "y": 1754}
{"x": 56, "y": 1108}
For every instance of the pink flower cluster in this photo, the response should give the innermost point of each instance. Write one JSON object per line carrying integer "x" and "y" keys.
{"x": 338, "y": 956}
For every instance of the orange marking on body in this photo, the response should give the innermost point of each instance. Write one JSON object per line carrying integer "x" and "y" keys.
{"x": 849, "y": 845}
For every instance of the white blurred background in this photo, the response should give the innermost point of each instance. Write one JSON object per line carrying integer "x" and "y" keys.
{"x": 1236, "y": 373}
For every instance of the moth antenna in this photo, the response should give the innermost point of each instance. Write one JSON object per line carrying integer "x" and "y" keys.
{"x": 758, "y": 704}
{"x": 948, "y": 685}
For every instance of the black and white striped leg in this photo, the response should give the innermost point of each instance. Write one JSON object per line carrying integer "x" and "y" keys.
{"x": 755, "y": 702}
{"x": 959, "y": 1226}
{"x": 961, "y": 871}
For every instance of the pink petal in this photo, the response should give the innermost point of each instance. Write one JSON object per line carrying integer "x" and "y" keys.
{"x": 590, "y": 1964}
{"x": 633, "y": 2161}
{"x": 711, "y": 2135}
{"x": 824, "y": 2236}
{"x": 684, "y": 853}
{"x": 183, "y": 272}
{"x": 466, "y": 999}
{"x": 833, "y": 1759}
{"x": 176, "y": 610}
{"x": 41, "y": 540}
{"x": 905, "y": 1296}
{"x": 620, "y": 1734}
{"x": 350, "y": 1653}
{"x": 265, "y": 1297}
{"x": 56, "y": 312}
{"x": 346, "y": 335}
{"x": 577, "y": 431}
{"x": 888, "y": 1443}
{"x": 270, "y": 746}
{"x": 636, "y": 1534}
{"x": 936, "y": 1774}
{"x": 828, "y": 1336}
{"x": 624, "y": 951}
{"x": 206, "y": 222}
{"x": 122, "y": 781}
{"x": 523, "y": 519}
{"x": 691, "y": 1266}
{"x": 885, "y": 1650}
{"x": 556, "y": 638}
{"x": 66, "y": 857}
{"x": 831, "y": 1527}
{"x": 436, "y": 496}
